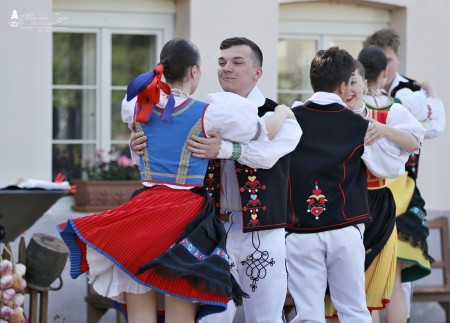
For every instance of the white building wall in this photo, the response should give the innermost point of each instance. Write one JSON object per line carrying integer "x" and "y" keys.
{"x": 25, "y": 89}
{"x": 213, "y": 21}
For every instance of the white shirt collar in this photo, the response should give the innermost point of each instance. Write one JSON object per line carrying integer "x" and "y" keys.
{"x": 256, "y": 97}
{"x": 324, "y": 98}
{"x": 397, "y": 79}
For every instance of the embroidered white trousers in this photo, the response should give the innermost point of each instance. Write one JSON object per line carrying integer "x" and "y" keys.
{"x": 258, "y": 262}
{"x": 337, "y": 257}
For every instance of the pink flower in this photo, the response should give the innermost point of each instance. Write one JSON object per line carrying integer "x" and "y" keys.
{"x": 100, "y": 155}
{"x": 124, "y": 161}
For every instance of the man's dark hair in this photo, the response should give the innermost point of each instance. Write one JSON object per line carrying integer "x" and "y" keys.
{"x": 384, "y": 38}
{"x": 236, "y": 41}
{"x": 329, "y": 68}
{"x": 374, "y": 61}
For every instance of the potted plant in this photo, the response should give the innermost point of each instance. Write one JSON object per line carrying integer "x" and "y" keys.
{"x": 107, "y": 184}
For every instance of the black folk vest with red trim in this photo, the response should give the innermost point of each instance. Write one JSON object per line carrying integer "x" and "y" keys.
{"x": 328, "y": 188}
{"x": 263, "y": 192}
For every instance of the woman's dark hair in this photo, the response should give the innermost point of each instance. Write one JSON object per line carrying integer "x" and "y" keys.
{"x": 360, "y": 68}
{"x": 329, "y": 68}
{"x": 177, "y": 56}
{"x": 374, "y": 61}
{"x": 236, "y": 41}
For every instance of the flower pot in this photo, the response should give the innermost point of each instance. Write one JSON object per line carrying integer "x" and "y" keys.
{"x": 101, "y": 195}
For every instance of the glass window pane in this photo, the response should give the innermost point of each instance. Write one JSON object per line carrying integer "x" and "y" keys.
{"x": 69, "y": 159}
{"x": 119, "y": 129}
{"x": 351, "y": 46}
{"x": 74, "y": 114}
{"x": 131, "y": 55}
{"x": 294, "y": 61}
{"x": 74, "y": 58}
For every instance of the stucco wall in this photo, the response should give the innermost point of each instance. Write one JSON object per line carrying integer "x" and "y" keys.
{"x": 213, "y": 21}
{"x": 25, "y": 89}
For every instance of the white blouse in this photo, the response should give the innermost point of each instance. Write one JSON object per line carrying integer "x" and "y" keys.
{"x": 264, "y": 154}
{"x": 387, "y": 154}
{"x": 430, "y": 111}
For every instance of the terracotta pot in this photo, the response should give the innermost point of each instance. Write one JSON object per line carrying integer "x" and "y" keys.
{"x": 99, "y": 195}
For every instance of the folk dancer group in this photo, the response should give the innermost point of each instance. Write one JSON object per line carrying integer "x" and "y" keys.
{"x": 243, "y": 198}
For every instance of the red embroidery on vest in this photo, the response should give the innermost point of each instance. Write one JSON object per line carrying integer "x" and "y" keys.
{"x": 210, "y": 182}
{"x": 412, "y": 163}
{"x": 252, "y": 186}
{"x": 316, "y": 202}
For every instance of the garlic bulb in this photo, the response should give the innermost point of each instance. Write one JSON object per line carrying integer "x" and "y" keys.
{"x": 6, "y": 281}
{"x": 6, "y": 267}
{"x": 20, "y": 269}
{"x": 8, "y": 294}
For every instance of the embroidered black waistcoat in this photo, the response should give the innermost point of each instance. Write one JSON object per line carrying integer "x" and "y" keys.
{"x": 402, "y": 85}
{"x": 328, "y": 187}
{"x": 263, "y": 192}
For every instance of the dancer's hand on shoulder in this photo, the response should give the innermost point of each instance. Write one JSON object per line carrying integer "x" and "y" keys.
{"x": 205, "y": 147}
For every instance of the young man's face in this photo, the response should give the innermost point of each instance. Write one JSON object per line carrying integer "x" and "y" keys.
{"x": 357, "y": 88}
{"x": 393, "y": 61}
{"x": 237, "y": 72}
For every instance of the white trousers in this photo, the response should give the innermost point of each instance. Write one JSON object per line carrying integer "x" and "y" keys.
{"x": 408, "y": 289}
{"x": 337, "y": 257}
{"x": 258, "y": 262}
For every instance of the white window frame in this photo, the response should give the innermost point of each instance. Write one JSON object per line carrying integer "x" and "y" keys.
{"x": 294, "y": 26}
{"x": 104, "y": 25}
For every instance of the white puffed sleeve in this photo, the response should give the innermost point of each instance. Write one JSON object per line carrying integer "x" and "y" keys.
{"x": 234, "y": 117}
{"x": 128, "y": 111}
{"x": 264, "y": 154}
{"x": 428, "y": 110}
{"x": 415, "y": 102}
{"x": 386, "y": 159}
{"x": 400, "y": 118}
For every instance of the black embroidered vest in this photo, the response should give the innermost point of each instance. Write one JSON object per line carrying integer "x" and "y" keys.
{"x": 402, "y": 85}
{"x": 263, "y": 192}
{"x": 327, "y": 181}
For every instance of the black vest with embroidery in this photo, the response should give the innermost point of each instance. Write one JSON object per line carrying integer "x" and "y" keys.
{"x": 263, "y": 192}
{"x": 402, "y": 85}
{"x": 327, "y": 181}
